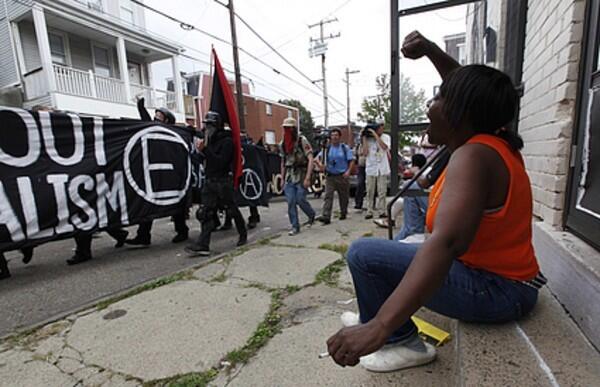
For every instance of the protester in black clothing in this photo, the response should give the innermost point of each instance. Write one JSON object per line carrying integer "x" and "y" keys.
{"x": 217, "y": 191}
{"x": 4, "y": 272}
{"x": 83, "y": 245}
{"x": 143, "y": 235}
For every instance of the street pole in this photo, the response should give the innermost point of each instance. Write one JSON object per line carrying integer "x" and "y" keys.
{"x": 348, "y": 72}
{"x": 395, "y": 85}
{"x": 236, "y": 65}
{"x": 322, "y": 39}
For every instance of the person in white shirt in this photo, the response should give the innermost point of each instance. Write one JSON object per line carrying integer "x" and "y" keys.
{"x": 376, "y": 145}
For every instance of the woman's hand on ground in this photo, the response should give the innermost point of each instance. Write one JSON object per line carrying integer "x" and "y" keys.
{"x": 349, "y": 344}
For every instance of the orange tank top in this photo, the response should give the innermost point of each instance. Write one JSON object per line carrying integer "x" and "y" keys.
{"x": 502, "y": 244}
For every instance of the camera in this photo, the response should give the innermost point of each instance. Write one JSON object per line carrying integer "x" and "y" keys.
{"x": 366, "y": 131}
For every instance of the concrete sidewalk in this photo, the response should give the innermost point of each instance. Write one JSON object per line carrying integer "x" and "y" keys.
{"x": 261, "y": 315}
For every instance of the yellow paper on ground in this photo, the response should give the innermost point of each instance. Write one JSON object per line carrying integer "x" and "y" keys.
{"x": 429, "y": 330}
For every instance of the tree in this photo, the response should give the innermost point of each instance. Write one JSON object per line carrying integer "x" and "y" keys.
{"x": 412, "y": 105}
{"x": 307, "y": 125}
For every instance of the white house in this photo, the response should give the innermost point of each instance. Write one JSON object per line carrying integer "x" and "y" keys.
{"x": 85, "y": 56}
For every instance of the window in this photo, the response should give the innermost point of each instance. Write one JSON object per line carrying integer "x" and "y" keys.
{"x": 127, "y": 14}
{"x": 290, "y": 114}
{"x": 584, "y": 207}
{"x": 245, "y": 110}
{"x": 462, "y": 54}
{"x": 269, "y": 109}
{"x": 101, "y": 61}
{"x": 57, "y": 48}
{"x": 269, "y": 137}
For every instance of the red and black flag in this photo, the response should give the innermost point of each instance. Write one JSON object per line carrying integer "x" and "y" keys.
{"x": 222, "y": 102}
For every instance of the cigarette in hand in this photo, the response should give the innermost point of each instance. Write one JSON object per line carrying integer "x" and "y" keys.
{"x": 323, "y": 355}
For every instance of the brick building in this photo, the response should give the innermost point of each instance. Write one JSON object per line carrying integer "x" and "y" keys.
{"x": 263, "y": 117}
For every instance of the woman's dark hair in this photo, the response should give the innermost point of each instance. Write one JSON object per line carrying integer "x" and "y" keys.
{"x": 418, "y": 160}
{"x": 482, "y": 98}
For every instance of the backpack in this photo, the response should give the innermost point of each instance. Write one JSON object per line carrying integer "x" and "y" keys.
{"x": 326, "y": 154}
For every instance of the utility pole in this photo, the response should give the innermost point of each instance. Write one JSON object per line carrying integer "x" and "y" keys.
{"x": 320, "y": 48}
{"x": 347, "y": 80}
{"x": 236, "y": 64}
{"x": 395, "y": 85}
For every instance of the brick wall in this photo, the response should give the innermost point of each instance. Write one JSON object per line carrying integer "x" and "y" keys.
{"x": 550, "y": 72}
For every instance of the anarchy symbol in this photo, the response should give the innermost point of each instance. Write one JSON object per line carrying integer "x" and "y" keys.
{"x": 251, "y": 187}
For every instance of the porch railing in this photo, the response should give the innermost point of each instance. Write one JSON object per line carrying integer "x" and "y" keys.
{"x": 87, "y": 84}
{"x": 155, "y": 98}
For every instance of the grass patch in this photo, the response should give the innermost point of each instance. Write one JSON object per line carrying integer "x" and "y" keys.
{"x": 194, "y": 379}
{"x": 342, "y": 249}
{"x": 329, "y": 275}
{"x": 368, "y": 234}
{"x": 31, "y": 336}
{"x": 268, "y": 328}
{"x": 219, "y": 278}
{"x": 184, "y": 275}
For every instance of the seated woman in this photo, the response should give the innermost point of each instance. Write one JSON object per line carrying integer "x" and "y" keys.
{"x": 478, "y": 264}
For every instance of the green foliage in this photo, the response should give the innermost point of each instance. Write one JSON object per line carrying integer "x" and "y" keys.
{"x": 412, "y": 105}
{"x": 330, "y": 274}
{"x": 307, "y": 124}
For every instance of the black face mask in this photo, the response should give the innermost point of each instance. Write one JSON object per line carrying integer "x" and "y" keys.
{"x": 209, "y": 130}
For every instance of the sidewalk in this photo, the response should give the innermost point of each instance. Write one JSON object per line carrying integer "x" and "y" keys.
{"x": 261, "y": 315}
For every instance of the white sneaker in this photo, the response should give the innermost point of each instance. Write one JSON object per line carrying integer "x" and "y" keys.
{"x": 394, "y": 357}
{"x": 350, "y": 319}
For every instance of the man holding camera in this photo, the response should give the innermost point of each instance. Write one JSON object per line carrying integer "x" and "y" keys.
{"x": 338, "y": 162}
{"x": 375, "y": 147}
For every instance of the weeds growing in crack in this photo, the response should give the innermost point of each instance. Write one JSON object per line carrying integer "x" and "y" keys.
{"x": 342, "y": 248}
{"x": 368, "y": 234}
{"x": 329, "y": 274}
{"x": 193, "y": 379}
{"x": 181, "y": 276}
{"x": 269, "y": 327}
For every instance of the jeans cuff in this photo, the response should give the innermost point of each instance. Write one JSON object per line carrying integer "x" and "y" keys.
{"x": 395, "y": 338}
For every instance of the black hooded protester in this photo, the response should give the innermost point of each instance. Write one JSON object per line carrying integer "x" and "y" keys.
{"x": 218, "y": 189}
{"x": 143, "y": 236}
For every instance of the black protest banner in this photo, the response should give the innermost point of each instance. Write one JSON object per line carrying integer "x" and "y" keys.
{"x": 61, "y": 174}
{"x": 252, "y": 189}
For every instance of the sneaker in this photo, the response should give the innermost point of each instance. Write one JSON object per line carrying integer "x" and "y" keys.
{"x": 195, "y": 250}
{"x": 394, "y": 357}
{"x": 324, "y": 220}
{"x": 138, "y": 241}
{"x": 343, "y": 217}
{"x": 350, "y": 319}
{"x": 383, "y": 223}
{"x": 311, "y": 220}
{"x": 369, "y": 216}
{"x": 76, "y": 259}
{"x": 294, "y": 231}
{"x": 383, "y": 215}
{"x": 180, "y": 237}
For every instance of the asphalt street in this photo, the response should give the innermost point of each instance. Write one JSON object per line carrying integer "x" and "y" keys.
{"x": 47, "y": 288}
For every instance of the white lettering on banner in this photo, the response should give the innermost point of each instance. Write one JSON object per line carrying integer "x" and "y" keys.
{"x": 251, "y": 187}
{"x": 8, "y": 217}
{"x": 79, "y": 145}
{"x": 33, "y": 141}
{"x": 62, "y": 209}
{"x": 159, "y": 198}
{"x": 99, "y": 141}
{"x": 115, "y": 197}
{"x": 30, "y": 210}
{"x": 198, "y": 176}
{"x": 88, "y": 185}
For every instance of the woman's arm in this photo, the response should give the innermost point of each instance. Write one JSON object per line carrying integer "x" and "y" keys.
{"x": 416, "y": 46}
{"x": 456, "y": 222}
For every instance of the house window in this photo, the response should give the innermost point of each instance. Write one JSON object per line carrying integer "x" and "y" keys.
{"x": 245, "y": 110}
{"x": 127, "y": 11}
{"x": 101, "y": 61}
{"x": 290, "y": 114}
{"x": 462, "y": 54}
{"x": 269, "y": 137}
{"x": 269, "y": 109}
{"x": 57, "y": 48}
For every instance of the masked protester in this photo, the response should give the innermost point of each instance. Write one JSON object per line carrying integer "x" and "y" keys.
{"x": 296, "y": 169}
{"x": 143, "y": 236}
{"x": 218, "y": 191}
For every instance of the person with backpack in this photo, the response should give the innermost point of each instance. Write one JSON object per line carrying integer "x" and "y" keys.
{"x": 338, "y": 161}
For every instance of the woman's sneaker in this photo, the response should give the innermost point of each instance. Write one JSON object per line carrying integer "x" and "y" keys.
{"x": 394, "y": 357}
{"x": 350, "y": 319}
{"x": 294, "y": 231}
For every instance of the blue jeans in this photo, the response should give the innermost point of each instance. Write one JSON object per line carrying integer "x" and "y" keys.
{"x": 414, "y": 210}
{"x": 295, "y": 194}
{"x": 378, "y": 266}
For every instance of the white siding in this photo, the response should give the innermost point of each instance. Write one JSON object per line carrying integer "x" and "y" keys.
{"x": 9, "y": 73}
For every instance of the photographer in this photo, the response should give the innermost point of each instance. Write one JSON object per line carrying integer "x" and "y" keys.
{"x": 375, "y": 147}
{"x": 337, "y": 161}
